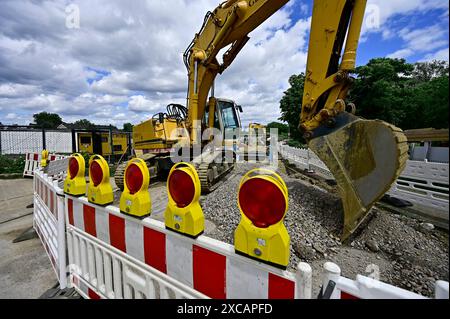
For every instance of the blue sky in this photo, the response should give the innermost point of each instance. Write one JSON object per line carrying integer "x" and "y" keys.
{"x": 123, "y": 62}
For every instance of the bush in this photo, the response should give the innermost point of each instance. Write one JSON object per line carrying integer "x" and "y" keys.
{"x": 11, "y": 165}
{"x": 295, "y": 143}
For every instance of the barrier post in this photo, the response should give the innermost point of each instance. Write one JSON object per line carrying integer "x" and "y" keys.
{"x": 441, "y": 290}
{"x": 331, "y": 271}
{"x": 304, "y": 281}
{"x": 61, "y": 225}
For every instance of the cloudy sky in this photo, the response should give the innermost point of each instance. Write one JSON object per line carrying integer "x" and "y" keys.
{"x": 124, "y": 62}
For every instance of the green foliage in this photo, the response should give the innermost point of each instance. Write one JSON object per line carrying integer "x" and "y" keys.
{"x": 283, "y": 129}
{"x": 128, "y": 127}
{"x": 296, "y": 143}
{"x": 291, "y": 103}
{"x": 11, "y": 165}
{"x": 86, "y": 160}
{"x": 84, "y": 124}
{"x": 407, "y": 95}
{"x": 47, "y": 120}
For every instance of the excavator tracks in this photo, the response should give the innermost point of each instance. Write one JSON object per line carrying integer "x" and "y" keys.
{"x": 210, "y": 172}
{"x": 152, "y": 165}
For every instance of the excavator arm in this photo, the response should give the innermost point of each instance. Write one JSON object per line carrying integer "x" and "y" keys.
{"x": 365, "y": 156}
{"x": 228, "y": 25}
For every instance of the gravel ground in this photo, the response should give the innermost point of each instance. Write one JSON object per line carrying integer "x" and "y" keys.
{"x": 406, "y": 252}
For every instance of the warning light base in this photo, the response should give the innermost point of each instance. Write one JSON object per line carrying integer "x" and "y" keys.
{"x": 269, "y": 245}
{"x": 101, "y": 195}
{"x": 75, "y": 187}
{"x": 141, "y": 217}
{"x": 187, "y": 235}
{"x": 240, "y": 253}
{"x": 188, "y": 221}
{"x": 136, "y": 205}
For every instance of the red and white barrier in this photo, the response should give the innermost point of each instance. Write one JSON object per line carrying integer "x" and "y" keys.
{"x": 33, "y": 162}
{"x": 112, "y": 255}
{"x": 49, "y": 222}
{"x": 144, "y": 252}
{"x": 368, "y": 288}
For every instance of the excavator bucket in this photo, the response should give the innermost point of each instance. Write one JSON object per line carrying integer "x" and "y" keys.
{"x": 365, "y": 157}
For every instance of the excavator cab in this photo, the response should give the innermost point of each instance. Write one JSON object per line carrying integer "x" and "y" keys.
{"x": 226, "y": 119}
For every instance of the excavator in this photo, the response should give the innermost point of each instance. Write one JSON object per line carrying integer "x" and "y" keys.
{"x": 365, "y": 156}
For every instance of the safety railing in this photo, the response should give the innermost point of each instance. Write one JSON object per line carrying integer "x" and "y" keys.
{"x": 49, "y": 222}
{"x": 33, "y": 162}
{"x": 364, "y": 287}
{"x": 113, "y": 255}
{"x": 423, "y": 183}
{"x": 117, "y": 256}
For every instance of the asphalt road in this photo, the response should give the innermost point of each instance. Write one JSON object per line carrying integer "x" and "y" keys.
{"x": 25, "y": 270}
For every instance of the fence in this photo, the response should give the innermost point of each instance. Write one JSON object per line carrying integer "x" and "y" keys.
{"x": 117, "y": 256}
{"x": 368, "y": 288}
{"x": 49, "y": 222}
{"x": 423, "y": 183}
{"x": 33, "y": 162}
{"x": 112, "y": 255}
{"x": 14, "y": 141}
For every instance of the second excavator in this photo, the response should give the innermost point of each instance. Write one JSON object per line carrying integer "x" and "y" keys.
{"x": 365, "y": 156}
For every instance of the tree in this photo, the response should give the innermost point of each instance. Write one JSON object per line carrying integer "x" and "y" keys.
{"x": 291, "y": 105}
{"x": 380, "y": 88}
{"x": 407, "y": 95}
{"x": 283, "y": 129}
{"x": 128, "y": 127}
{"x": 84, "y": 124}
{"x": 47, "y": 120}
{"x": 426, "y": 71}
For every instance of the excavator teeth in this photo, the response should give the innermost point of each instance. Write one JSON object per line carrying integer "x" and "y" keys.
{"x": 365, "y": 157}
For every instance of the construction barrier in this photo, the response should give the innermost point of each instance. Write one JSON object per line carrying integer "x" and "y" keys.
{"x": 369, "y": 288}
{"x": 113, "y": 256}
{"x": 423, "y": 183}
{"x": 117, "y": 256}
{"x": 49, "y": 222}
{"x": 33, "y": 162}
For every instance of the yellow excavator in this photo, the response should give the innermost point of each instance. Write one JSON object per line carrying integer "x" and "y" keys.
{"x": 365, "y": 156}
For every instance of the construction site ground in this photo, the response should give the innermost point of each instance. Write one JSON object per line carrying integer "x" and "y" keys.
{"x": 25, "y": 270}
{"x": 400, "y": 250}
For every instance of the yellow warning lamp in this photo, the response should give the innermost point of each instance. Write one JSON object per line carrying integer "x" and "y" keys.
{"x": 135, "y": 198}
{"x": 44, "y": 158}
{"x": 184, "y": 213}
{"x": 99, "y": 190}
{"x": 263, "y": 202}
{"x": 75, "y": 182}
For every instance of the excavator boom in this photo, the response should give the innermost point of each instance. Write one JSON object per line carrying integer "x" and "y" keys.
{"x": 365, "y": 156}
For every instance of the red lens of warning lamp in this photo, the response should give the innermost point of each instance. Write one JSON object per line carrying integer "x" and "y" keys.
{"x": 262, "y": 202}
{"x": 96, "y": 173}
{"x": 181, "y": 188}
{"x": 73, "y": 167}
{"x": 134, "y": 178}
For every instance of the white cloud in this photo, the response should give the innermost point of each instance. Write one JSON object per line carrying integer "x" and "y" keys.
{"x": 419, "y": 41}
{"x": 136, "y": 49}
{"x": 439, "y": 55}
